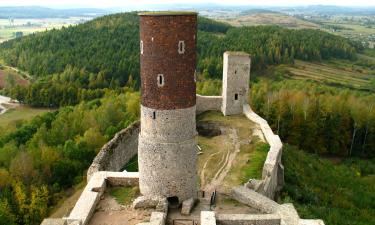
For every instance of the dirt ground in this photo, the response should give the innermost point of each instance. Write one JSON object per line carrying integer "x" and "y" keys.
{"x": 110, "y": 212}
{"x": 221, "y": 153}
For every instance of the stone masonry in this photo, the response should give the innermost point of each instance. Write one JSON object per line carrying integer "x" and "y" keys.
{"x": 236, "y": 75}
{"x": 167, "y": 141}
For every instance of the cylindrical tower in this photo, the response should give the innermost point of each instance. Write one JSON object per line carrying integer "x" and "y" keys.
{"x": 167, "y": 141}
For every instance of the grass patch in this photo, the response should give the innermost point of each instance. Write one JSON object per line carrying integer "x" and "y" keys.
{"x": 341, "y": 194}
{"x": 20, "y": 113}
{"x": 254, "y": 167}
{"x": 124, "y": 195}
{"x": 132, "y": 165}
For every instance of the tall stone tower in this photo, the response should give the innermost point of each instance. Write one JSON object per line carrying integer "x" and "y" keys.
{"x": 236, "y": 76}
{"x": 167, "y": 141}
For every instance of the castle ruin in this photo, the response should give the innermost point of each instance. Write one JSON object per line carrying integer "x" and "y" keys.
{"x": 165, "y": 139}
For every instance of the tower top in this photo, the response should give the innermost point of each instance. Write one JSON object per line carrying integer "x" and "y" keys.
{"x": 168, "y": 13}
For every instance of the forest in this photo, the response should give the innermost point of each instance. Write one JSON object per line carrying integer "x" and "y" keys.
{"x": 81, "y": 57}
{"x": 42, "y": 158}
{"x": 90, "y": 74}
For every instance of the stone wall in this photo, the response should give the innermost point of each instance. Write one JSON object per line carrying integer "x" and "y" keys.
{"x": 117, "y": 152}
{"x": 167, "y": 153}
{"x": 273, "y": 170}
{"x": 286, "y": 213}
{"x": 208, "y": 103}
{"x": 87, "y": 202}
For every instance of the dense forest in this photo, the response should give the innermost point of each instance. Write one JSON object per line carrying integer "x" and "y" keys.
{"x": 42, "y": 158}
{"x": 104, "y": 53}
{"x": 93, "y": 71}
{"x": 341, "y": 192}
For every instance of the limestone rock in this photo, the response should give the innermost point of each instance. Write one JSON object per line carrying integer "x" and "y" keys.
{"x": 158, "y": 218}
{"x": 162, "y": 206}
{"x": 208, "y": 218}
{"x": 145, "y": 202}
{"x": 187, "y": 206}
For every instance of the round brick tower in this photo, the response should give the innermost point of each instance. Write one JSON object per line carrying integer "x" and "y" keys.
{"x": 167, "y": 141}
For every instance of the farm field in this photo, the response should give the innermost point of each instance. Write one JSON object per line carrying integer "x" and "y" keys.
{"x": 271, "y": 19}
{"x": 20, "y": 113}
{"x": 334, "y": 73}
{"x": 28, "y": 26}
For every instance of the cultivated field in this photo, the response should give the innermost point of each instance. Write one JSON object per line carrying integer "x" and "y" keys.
{"x": 335, "y": 73}
{"x": 28, "y": 26}
{"x": 271, "y": 19}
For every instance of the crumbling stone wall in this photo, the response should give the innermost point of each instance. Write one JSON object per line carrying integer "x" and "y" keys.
{"x": 208, "y": 103}
{"x": 273, "y": 170}
{"x": 117, "y": 152}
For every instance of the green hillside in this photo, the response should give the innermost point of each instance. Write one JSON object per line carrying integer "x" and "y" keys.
{"x": 341, "y": 192}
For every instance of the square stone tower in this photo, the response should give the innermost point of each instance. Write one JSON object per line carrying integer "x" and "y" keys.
{"x": 236, "y": 77}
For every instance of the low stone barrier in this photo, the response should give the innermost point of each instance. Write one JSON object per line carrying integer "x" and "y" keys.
{"x": 208, "y": 218}
{"x": 253, "y": 219}
{"x": 273, "y": 170}
{"x": 208, "y": 103}
{"x": 86, "y": 204}
{"x": 286, "y": 212}
{"x": 117, "y": 152}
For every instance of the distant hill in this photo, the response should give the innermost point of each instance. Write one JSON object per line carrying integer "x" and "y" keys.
{"x": 42, "y": 12}
{"x": 328, "y": 10}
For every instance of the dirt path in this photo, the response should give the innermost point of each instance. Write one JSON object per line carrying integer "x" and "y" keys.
{"x": 225, "y": 165}
{"x": 110, "y": 212}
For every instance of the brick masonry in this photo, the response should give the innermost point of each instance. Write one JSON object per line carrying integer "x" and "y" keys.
{"x": 160, "y": 37}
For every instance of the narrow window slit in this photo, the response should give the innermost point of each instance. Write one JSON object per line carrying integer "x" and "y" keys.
{"x": 160, "y": 80}
{"x": 154, "y": 115}
{"x": 236, "y": 96}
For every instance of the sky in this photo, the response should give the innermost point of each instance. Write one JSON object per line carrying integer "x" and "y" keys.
{"x": 124, "y": 3}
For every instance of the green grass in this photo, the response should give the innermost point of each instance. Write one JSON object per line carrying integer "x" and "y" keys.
{"x": 124, "y": 195}
{"x": 132, "y": 165}
{"x": 340, "y": 194}
{"x": 254, "y": 167}
{"x": 20, "y": 113}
